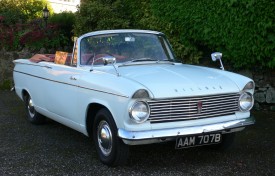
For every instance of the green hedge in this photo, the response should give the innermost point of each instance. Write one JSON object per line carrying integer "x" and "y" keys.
{"x": 65, "y": 21}
{"x": 128, "y": 14}
{"x": 243, "y": 30}
{"x": 99, "y": 15}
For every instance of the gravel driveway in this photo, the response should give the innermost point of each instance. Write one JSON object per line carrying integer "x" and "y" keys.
{"x": 53, "y": 149}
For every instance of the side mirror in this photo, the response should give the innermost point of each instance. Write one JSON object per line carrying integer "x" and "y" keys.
{"x": 217, "y": 56}
{"x": 108, "y": 60}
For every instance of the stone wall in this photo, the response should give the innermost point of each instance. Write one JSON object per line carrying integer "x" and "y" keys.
{"x": 265, "y": 90}
{"x": 264, "y": 79}
{"x": 6, "y": 66}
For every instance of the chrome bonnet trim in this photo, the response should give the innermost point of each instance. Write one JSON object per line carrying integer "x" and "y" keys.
{"x": 173, "y": 132}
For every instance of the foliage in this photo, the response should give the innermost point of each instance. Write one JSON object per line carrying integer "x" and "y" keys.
{"x": 37, "y": 37}
{"x": 32, "y": 35}
{"x": 65, "y": 22}
{"x": 98, "y": 15}
{"x": 116, "y": 14}
{"x": 22, "y": 25}
{"x": 6, "y": 85}
{"x": 18, "y": 11}
{"x": 243, "y": 30}
{"x": 184, "y": 50}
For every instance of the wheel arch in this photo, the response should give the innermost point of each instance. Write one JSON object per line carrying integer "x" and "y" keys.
{"x": 24, "y": 94}
{"x": 92, "y": 110}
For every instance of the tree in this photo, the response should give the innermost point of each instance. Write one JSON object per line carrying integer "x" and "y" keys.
{"x": 98, "y": 15}
{"x": 123, "y": 14}
{"x": 15, "y": 11}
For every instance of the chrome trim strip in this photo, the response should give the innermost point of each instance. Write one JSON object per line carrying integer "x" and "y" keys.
{"x": 71, "y": 84}
{"x": 180, "y": 104}
{"x": 35, "y": 64}
{"x": 192, "y": 130}
{"x": 197, "y": 97}
{"x": 118, "y": 31}
{"x": 184, "y": 118}
{"x": 192, "y": 110}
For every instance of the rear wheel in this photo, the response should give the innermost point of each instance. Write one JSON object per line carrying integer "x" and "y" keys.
{"x": 32, "y": 115}
{"x": 110, "y": 148}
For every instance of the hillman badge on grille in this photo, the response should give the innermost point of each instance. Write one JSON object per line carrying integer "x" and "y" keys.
{"x": 199, "y": 107}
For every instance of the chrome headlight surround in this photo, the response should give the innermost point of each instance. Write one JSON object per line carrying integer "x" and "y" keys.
{"x": 139, "y": 111}
{"x": 249, "y": 87}
{"x": 246, "y": 101}
{"x": 141, "y": 93}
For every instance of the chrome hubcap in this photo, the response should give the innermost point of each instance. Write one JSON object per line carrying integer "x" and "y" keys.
{"x": 104, "y": 138}
{"x": 31, "y": 108}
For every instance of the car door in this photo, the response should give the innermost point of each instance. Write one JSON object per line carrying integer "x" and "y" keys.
{"x": 62, "y": 91}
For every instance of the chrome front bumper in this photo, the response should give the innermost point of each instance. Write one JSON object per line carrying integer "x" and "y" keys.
{"x": 153, "y": 136}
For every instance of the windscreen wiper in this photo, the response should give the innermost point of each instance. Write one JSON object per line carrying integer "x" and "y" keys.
{"x": 146, "y": 59}
{"x": 168, "y": 60}
{"x": 143, "y": 59}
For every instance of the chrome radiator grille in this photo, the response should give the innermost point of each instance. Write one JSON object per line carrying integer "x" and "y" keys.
{"x": 179, "y": 109}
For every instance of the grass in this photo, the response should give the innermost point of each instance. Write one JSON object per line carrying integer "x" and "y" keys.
{"x": 6, "y": 85}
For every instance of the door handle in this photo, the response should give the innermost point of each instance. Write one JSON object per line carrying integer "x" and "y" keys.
{"x": 73, "y": 78}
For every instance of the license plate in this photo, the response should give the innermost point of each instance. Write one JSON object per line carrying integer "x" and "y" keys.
{"x": 198, "y": 140}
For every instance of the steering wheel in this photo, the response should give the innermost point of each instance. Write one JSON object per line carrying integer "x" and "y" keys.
{"x": 89, "y": 59}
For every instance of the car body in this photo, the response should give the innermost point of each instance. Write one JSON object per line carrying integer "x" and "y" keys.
{"x": 125, "y": 87}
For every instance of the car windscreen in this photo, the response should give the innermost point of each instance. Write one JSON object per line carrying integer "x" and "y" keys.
{"x": 125, "y": 47}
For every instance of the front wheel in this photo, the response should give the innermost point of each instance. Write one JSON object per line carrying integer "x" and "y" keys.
{"x": 32, "y": 115}
{"x": 110, "y": 148}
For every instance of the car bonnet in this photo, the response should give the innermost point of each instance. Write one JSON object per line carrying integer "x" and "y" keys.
{"x": 179, "y": 80}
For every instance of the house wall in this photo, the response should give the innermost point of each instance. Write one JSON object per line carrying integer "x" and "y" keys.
{"x": 64, "y": 5}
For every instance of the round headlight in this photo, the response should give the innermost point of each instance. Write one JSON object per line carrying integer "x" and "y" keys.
{"x": 140, "y": 111}
{"x": 246, "y": 101}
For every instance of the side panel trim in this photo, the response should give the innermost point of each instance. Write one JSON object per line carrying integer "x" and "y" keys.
{"x": 71, "y": 84}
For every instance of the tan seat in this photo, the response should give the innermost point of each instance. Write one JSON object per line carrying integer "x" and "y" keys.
{"x": 60, "y": 57}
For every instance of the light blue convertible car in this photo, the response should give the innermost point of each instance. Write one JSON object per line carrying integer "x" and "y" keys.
{"x": 125, "y": 87}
